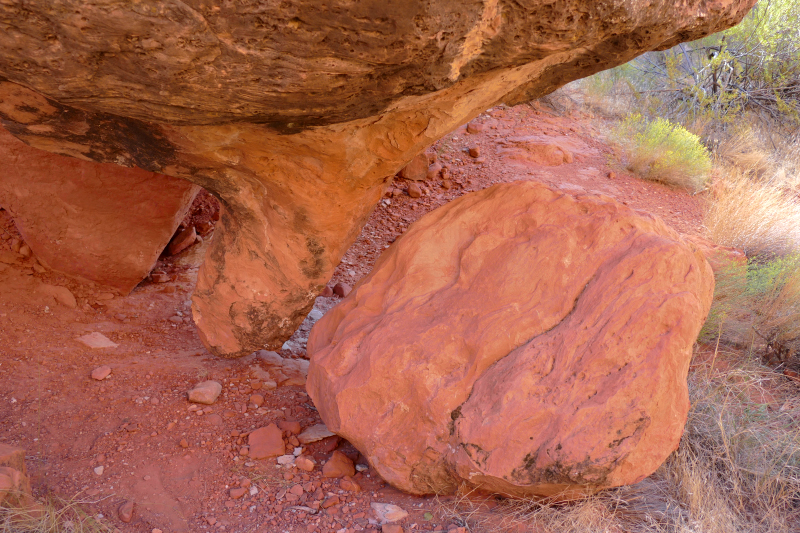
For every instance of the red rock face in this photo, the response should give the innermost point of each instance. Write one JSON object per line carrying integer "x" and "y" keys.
{"x": 99, "y": 222}
{"x": 518, "y": 339}
{"x": 295, "y": 113}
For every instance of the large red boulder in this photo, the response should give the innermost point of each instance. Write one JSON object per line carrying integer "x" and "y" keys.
{"x": 96, "y": 221}
{"x": 519, "y": 339}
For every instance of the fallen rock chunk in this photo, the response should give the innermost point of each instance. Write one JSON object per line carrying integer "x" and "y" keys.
{"x": 349, "y": 484}
{"x": 101, "y": 372}
{"x": 305, "y": 462}
{"x": 474, "y": 151}
{"x": 125, "y": 511}
{"x": 513, "y": 300}
{"x": 158, "y": 276}
{"x": 62, "y": 295}
{"x": 267, "y": 442}
{"x": 327, "y": 292}
{"x": 290, "y": 426}
{"x": 97, "y": 340}
{"x": 330, "y": 501}
{"x": 414, "y": 191}
{"x": 270, "y": 358}
{"x": 339, "y": 465}
{"x": 537, "y": 153}
{"x": 96, "y": 221}
{"x": 285, "y": 371}
{"x": 182, "y": 240}
{"x": 475, "y": 127}
{"x": 257, "y": 400}
{"x": 315, "y": 433}
{"x": 433, "y": 172}
{"x": 342, "y": 289}
{"x": 393, "y": 528}
{"x": 238, "y": 492}
{"x": 388, "y": 512}
{"x": 205, "y": 392}
{"x": 286, "y": 460}
{"x": 417, "y": 169}
{"x": 214, "y": 419}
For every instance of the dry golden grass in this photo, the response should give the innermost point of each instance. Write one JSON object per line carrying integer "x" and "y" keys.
{"x": 737, "y": 469}
{"x": 51, "y": 516}
{"x": 743, "y": 150}
{"x": 756, "y": 216}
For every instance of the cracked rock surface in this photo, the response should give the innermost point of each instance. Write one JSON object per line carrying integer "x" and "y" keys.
{"x": 519, "y": 339}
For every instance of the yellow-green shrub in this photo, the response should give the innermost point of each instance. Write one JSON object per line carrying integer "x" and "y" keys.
{"x": 660, "y": 150}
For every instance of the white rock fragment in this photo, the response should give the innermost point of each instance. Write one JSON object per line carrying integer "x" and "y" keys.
{"x": 387, "y": 512}
{"x": 97, "y": 340}
{"x": 286, "y": 460}
{"x": 314, "y": 433}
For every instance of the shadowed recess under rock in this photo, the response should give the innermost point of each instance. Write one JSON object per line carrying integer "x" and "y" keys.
{"x": 293, "y": 115}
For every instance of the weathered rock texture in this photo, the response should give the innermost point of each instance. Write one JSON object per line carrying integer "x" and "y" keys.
{"x": 294, "y": 113}
{"x": 100, "y": 222}
{"x": 520, "y": 339}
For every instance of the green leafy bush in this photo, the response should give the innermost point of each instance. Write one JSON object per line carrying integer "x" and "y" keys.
{"x": 660, "y": 150}
{"x": 753, "y": 67}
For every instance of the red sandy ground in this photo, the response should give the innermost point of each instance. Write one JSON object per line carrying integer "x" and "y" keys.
{"x": 133, "y": 422}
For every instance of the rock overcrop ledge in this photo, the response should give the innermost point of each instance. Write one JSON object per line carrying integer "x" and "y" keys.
{"x": 519, "y": 339}
{"x": 294, "y": 113}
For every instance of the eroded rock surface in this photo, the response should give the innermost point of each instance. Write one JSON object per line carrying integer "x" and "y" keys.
{"x": 519, "y": 339}
{"x": 95, "y": 221}
{"x": 294, "y": 113}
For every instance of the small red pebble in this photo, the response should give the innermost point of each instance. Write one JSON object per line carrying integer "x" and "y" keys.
{"x": 290, "y": 426}
{"x": 349, "y": 484}
{"x": 330, "y": 502}
{"x": 257, "y": 400}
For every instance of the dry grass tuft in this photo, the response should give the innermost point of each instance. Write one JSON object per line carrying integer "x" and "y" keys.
{"x": 744, "y": 151}
{"x": 756, "y": 216}
{"x": 753, "y": 205}
{"x": 737, "y": 469}
{"x": 51, "y": 516}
